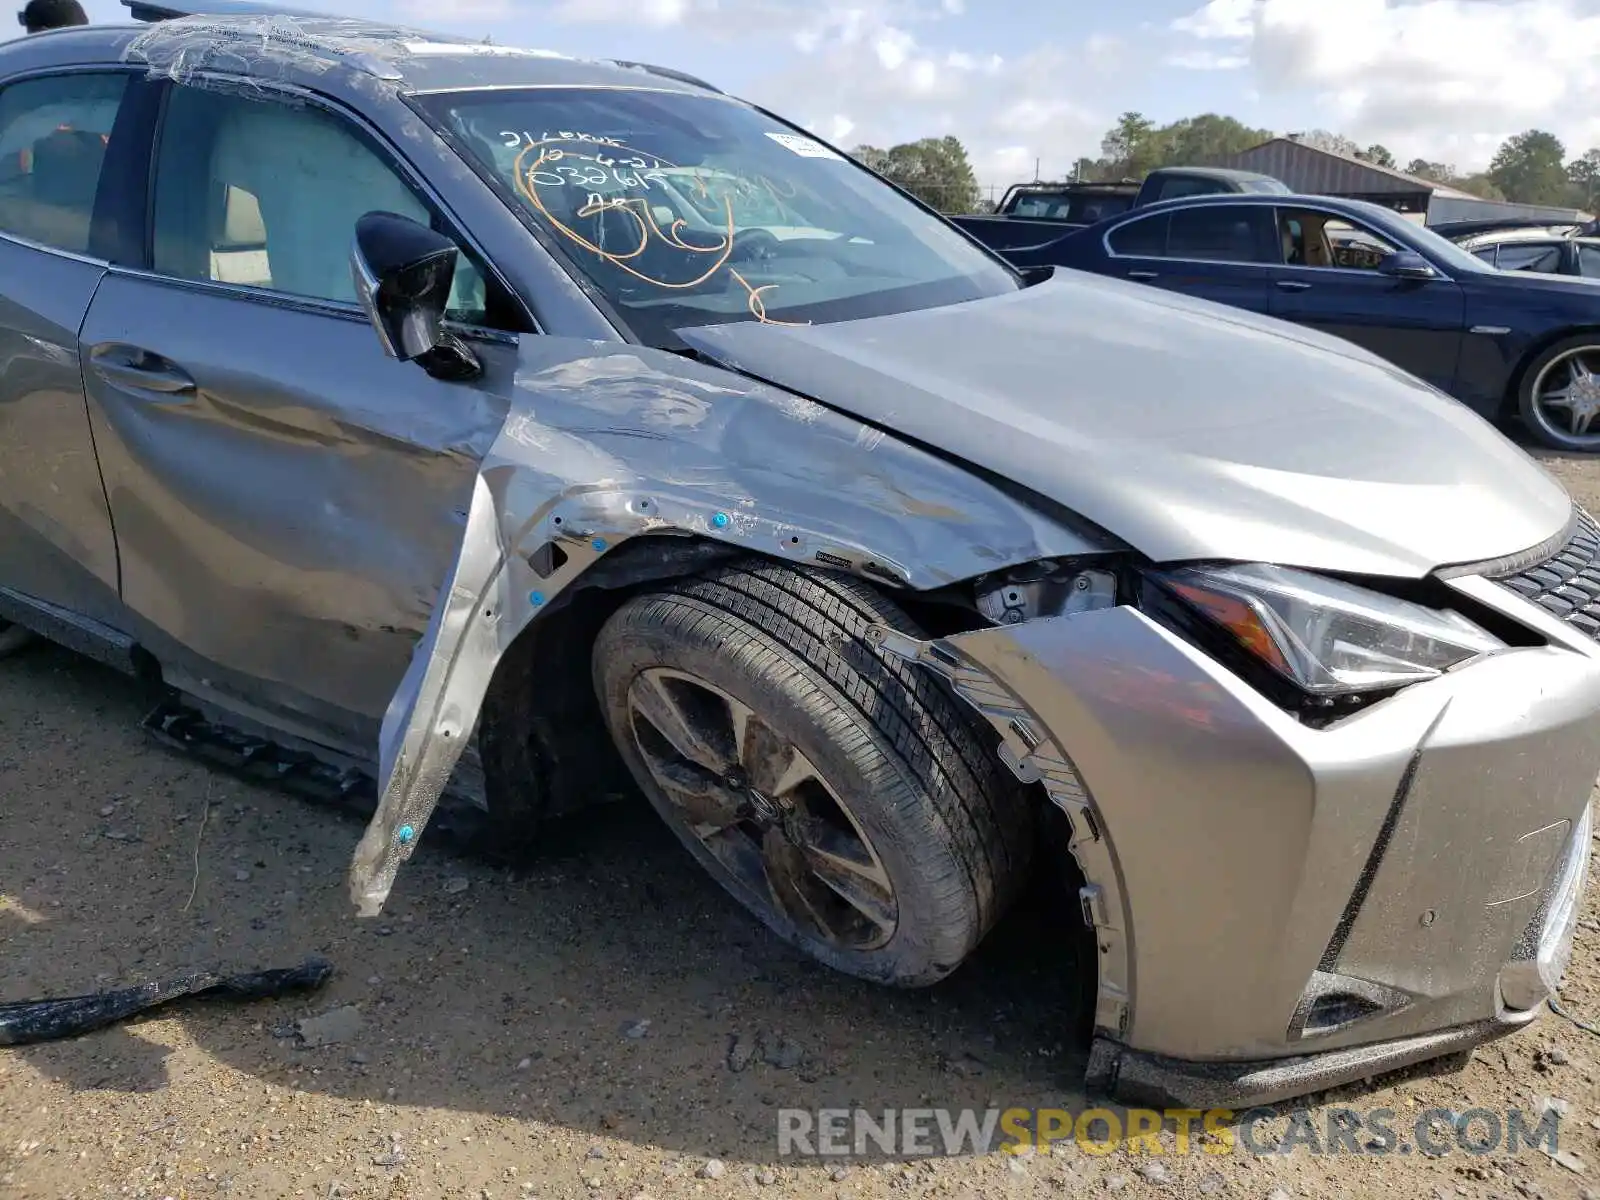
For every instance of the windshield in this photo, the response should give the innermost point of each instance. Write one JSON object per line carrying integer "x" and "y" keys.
{"x": 689, "y": 210}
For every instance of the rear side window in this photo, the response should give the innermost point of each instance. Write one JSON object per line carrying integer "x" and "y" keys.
{"x": 1144, "y": 238}
{"x": 1176, "y": 188}
{"x": 53, "y": 137}
{"x": 1541, "y": 257}
{"x": 1222, "y": 233}
{"x": 1589, "y": 261}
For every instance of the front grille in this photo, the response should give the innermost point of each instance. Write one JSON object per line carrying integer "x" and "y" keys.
{"x": 1567, "y": 583}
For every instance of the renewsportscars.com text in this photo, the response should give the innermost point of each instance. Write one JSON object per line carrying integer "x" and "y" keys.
{"x": 924, "y": 1132}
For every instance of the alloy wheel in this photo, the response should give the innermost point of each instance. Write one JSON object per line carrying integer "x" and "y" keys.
{"x": 762, "y": 809}
{"x": 1566, "y": 396}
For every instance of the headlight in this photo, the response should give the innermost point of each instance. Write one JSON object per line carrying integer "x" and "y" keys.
{"x": 1330, "y": 638}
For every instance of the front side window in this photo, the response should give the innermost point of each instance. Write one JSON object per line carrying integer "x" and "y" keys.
{"x": 1318, "y": 239}
{"x": 1233, "y": 233}
{"x": 266, "y": 195}
{"x": 53, "y": 137}
{"x": 1589, "y": 260}
{"x": 686, "y": 210}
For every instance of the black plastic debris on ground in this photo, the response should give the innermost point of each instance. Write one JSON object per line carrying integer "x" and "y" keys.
{"x": 26, "y": 1021}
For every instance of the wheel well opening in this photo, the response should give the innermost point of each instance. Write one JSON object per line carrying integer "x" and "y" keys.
{"x": 543, "y": 742}
{"x": 547, "y": 752}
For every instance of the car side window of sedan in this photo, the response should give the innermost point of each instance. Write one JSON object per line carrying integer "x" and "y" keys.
{"x": 1143, "y": 238}
{"x": 266, "y": 195}
{"x": 1320, "y": 239}
{"x": 53, "y": 137}
{"x": 1589, "y": 261}
{"x": 1223, "y": 233}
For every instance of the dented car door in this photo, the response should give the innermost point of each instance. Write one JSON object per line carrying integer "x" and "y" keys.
{"x": 287, "y": 497}
{"x": 56, "y": 542}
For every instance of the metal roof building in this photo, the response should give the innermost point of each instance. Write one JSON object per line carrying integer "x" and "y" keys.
{"x": 1315, "y": 171}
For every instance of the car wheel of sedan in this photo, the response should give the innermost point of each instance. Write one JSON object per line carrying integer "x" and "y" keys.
{"x": 13, "y": 638}
{"x": 847, "y": 800}
{"x": 1560, "y": 395}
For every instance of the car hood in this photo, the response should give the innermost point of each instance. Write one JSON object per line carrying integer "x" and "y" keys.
{"x": 1187, "y": 429}
{"x": 1579, "y": 289}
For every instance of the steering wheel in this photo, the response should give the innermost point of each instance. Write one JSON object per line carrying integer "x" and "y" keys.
{"x": 753, "y": 243}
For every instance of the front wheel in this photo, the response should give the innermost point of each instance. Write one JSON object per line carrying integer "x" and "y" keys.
{"x": 847, "y": 800}
{"x": 13, "y": 638}
{"x": 1559, "y": 400}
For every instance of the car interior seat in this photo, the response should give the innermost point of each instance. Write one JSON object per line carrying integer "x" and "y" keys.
{"x": 311, "y": 181}
{"x": 65, "y": 176}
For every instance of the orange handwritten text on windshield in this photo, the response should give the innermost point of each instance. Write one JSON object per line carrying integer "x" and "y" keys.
{"x": 597, "y": 166}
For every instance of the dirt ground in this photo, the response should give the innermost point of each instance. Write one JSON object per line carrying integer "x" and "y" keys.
{"x": 569, "y": 1031}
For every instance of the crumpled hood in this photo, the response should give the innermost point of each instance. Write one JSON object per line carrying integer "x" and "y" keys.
{"x": 1188, "y": 429}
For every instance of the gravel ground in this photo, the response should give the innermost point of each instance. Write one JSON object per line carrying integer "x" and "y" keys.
{"x": 606, "y": 1024}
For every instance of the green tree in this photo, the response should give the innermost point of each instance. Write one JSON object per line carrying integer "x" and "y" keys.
{"x": 1434, "y": 171}
{"x": 1198, "y": 141}
{"x": 1087, "y": 170}
{"x": 1479, "y": 185}
{"x": 1132, "y": 147}
{"x": 1378, "y": 155}
{"x": 1530, "y": 168}
{"x": 1584, "y": 175}
{"x": 1333, "y": 143}
{"x": 934, "y": 170}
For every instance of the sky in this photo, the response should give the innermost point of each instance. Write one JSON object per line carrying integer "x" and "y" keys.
{"x": 1020, "y": 84}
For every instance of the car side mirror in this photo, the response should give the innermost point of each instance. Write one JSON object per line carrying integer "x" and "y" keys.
{"x": 403, "y": 274}
{"x": 1407, "y": 264}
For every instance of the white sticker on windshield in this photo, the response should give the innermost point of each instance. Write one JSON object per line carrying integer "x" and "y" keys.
{"x": 803, "y": 146}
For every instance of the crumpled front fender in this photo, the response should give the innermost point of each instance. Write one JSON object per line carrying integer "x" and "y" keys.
{"x": 605, "y": 442}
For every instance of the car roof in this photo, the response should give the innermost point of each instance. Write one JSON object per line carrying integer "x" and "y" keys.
{"x": 1504, "y": 237}
{"x": 1358, "y": 208}
{"x": 239, "y": 37}
{"x": 1214, "y": 173}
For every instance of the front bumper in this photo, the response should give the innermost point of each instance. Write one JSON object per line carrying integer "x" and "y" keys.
{"x": 1280, "y": 908}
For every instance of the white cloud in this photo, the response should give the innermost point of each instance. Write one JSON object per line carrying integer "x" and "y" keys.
{"x": 1207, "y": 60}
{"x": 1444, "y": 79}
{"x": 457, "y": 10}
{"x": 649, "y": 12}
{"x": 896, "y": 66}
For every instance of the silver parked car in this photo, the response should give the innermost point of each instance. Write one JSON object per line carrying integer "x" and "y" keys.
{"x": 499, "y": 427}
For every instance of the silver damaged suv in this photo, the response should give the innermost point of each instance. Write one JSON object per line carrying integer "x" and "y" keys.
{"x": 491, "y": 429}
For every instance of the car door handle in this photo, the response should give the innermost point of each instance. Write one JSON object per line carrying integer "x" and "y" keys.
{"x": 1293, "y": 285}
{"x": 139, "y": 369}
{"x": 1143, "y": 274}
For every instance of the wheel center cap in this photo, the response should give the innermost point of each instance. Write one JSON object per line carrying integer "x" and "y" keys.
{"x": 766, "y": 810}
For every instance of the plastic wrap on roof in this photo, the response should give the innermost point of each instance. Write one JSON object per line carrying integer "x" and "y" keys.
{"x": 246, "y": 53}
{"x": 193, "y": 50}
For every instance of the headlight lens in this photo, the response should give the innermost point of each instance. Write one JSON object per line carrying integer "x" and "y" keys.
{"x": 1330, "y": 638}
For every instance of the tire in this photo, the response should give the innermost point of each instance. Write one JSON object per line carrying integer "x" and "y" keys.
{"x": 13, "y": 638}
{"x": 896, "y": 776}
{"x": 1541, "y": 418}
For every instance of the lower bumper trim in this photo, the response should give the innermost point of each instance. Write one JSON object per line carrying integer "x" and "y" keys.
{"x": 1135, "y": 1077}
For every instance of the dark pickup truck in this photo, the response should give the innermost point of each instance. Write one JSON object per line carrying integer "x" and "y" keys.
{"x": 1031, "y": 214}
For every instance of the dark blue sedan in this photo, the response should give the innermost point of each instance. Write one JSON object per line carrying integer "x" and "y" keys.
{"x": 1504, "y": 343}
